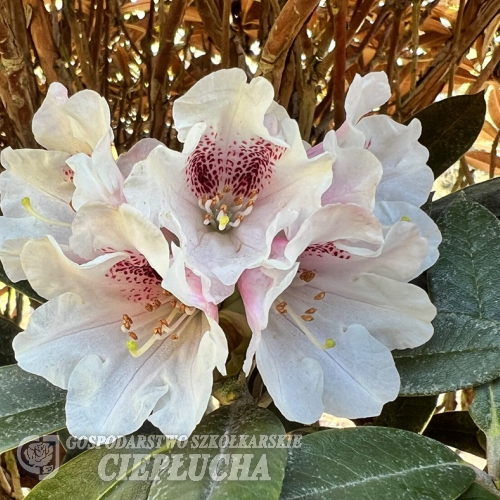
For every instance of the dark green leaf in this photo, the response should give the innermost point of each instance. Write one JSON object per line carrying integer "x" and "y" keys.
{"x": 8, "y": 330}
{"x": 231, "y": 420}
{"x": 476, "y": 492}
{"x": 21, "y": 286}
{"x": 450, "y": 127}
{"x": 457, "y": 429}
{"x": 411, "y": 414}
{"x": 99, "y": 473}
{"x": 29, "y": 406}
{"x": 368, "y": 463}
{"x": 464, "y": 285}
{"x": 486, "y": 193}
{"x": 485, "y": 410}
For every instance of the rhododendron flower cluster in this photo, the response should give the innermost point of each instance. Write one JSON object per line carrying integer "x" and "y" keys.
{"x": 137, "y": 253}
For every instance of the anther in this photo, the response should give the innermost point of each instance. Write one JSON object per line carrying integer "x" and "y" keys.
{"x": 157, "y": 331}
{"x": 307, "y": 276}
{"x": 148, "y": 307}
{"x": 127, "y": 319}
{"x": 173, "y": 303}
{"x": 227, "y": 188}
{"x": 311, "y": 310}
{"x": 132, "y": 335}
{"x": 156, "y": 303}
{"x": 307, "y": 317}
{"x": 166, "y": 292}
{"x": 320, "y": 296}
{"x": 238, "y": 201}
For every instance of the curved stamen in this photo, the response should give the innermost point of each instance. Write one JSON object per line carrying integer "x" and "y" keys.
{"x": 329, "y": 343}
{"x": 26, "y": 202}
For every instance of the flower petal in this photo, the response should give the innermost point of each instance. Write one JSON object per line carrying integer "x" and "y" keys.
{"x": 75, "y": 124}
{"x": 97, "y": 177}
{"x": 406, "y": 176}
{"x": 390, "y": 212}
{"x": 354, "y": 379}
{"x": 364, "y": 95}
{"x": 356, "y": 174}
{"x": 135, "y": 154}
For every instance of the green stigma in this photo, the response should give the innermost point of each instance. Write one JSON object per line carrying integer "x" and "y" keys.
{"x": 132, "y": 346}
{"x": 405, "y": 218}
{"x": 329, "y": 343}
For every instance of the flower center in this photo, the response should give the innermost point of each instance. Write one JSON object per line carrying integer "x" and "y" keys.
{"x": 169, "y": 326}
{"x": 300, "y": 321}
{"x": 225, "y": 210}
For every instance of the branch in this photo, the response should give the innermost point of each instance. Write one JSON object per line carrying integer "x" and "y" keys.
{"x": 18, "y": 88}
{"x": 284, "y": 31}
{"x": 340, "y": 63}
{"x": 169, "y": 25}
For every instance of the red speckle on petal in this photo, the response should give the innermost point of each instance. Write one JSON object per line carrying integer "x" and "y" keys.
{"x": 68, "y": 174}
{"x": 141, "y": 283}
{"x": 243, "y": 165}
{"x": 329, "y": 248}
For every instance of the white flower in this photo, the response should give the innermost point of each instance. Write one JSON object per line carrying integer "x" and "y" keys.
{"x": 126, "y": 344}
{"x": 323, "y": 329}
{"x": 41, "y": 189}
{"x": 243, "y": 177}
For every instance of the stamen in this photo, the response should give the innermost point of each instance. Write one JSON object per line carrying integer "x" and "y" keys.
{"x": 26, "y": 202}
{"x": 238, "y": 201}
{"x": 307, "y": 276}
{"x": 136, "y": 351}
{"x": 329, "y": 343}
{"x": 227, "y": 188}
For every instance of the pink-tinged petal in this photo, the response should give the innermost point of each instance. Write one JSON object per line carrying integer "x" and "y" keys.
{"x": 400, "y": 258}
{"x": 75, "y": 124}
{"x": 190, "y": 375}
{"x": 42, "y": 179}
{"x": 406, "y": 176}
{"x": 259, "y": 288}
{"x": 99, "y": 228}
{"x": 138, "y": 152}
{"x": 391, "y": 212}
{"x": 351, "y": 226}
{"x": 397, "y": 314}
{"x": 79, "y": 346}
{"x": 153, "y": 182}
{"x": 356, "y": 175}
{"x": 353, "y": 379}
{"x": 45, "y": 170}
{"x": 209, "y": 100}
{"x": 97, "y": 177}
{"x": 364, "y": 95}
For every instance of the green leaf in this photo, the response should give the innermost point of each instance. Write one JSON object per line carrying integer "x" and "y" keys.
{"x": 411, "y": 414}
{"x": 464, "y": 284}
{"x": 8, "y": 330}
{"x": 486, "y": 193}
{"x": 99, "y": 473}
{"x": 367, "y": 463}
{"x": 477, "y": 492}
{"x": 231, "y": 420}
{"x": 485, "y": 410}
{"x": 21, "y": 286}
{"x": 29, "y": 406}
{"x": 457, "y": 429}
{"x": 450, "y": 127}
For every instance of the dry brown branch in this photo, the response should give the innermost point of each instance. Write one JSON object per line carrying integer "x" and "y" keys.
{"x": 18, "y": 89}
{"x": 284, "y": 31}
